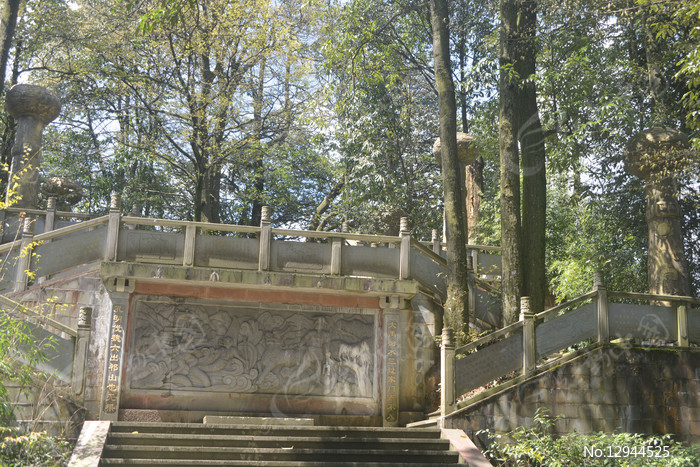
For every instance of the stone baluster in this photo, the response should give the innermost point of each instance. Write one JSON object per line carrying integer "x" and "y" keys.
{"x": 25, "y": 255}
{"x": 602, "y": 306}
{"x": 265, "y": 239}
{"x": 435, "y": 239}
{"x": 682, "y": 324}
{"x": 447, "y": 373}
{"x": 82, "y": 343}
{"x": 50, "y": 219}
{"x": 405, "y": 252}
{"x": 113, "y": 224}
{"x": 529, "y": 343}
{"x": 471, "y": 287}
{"x": 188, "y": 253}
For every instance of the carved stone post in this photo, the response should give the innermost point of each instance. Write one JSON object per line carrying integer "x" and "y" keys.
{"x": 405, "y": 253}
{"x": 265, "y": 239}
{"x": 188, "y": 254}
{"x": 33, "y": 107}
{"x": 655, "y": 155}
{"x": 119, "y": 291}
{"x": 602, "y": 305}
{"x": 336, "y": 255}
{"x": 113, "y": 224}
{"x": 82, "y": 343}
{"x": 682, "y": 324}
{"x": 471, "y": 287}
{"x": 391, "y": 358}
{"x": 435, "y": 239}
{"x": 447, "y": 374}
{"x": 529, "y": 343}
{"x": 25, "y": 255}
{"x": 50, "y": 219}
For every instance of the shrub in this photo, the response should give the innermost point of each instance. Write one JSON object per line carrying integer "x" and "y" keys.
{"x": 32, "y": 449}
{"x": 538, "y": 446}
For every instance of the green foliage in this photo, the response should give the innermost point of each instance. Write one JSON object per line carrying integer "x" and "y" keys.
{"x": 33, "y": 449}
{"x": 19, "y": 354}
{"x": 538, "y": 446}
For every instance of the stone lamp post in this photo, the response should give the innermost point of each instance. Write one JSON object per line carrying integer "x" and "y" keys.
{"x": 33, "y": 107}
{"x": 655, "y": 155}
{"x": 467, "y": 153}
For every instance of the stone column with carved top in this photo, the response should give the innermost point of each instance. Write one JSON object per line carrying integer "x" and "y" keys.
{"x": 656, "y": 155}
{"x": 33, "y": 107}
{"x": 118, "y": 318}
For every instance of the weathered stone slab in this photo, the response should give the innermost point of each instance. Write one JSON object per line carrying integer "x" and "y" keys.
{"x": 642, "y": 321}
{"x": 479, "y": 368}
{"x": 192, "y": 346}
{"x": 572, "y": 328}
{"x": 261, "y": 421}
{"x": 69, "y": 251}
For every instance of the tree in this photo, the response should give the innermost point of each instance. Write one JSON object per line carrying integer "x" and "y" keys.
{"x": 456, "y": 303}
{"x": 8, "y": 23}
{"x": 511, "y": 245}
{"x": 531, "y": 139}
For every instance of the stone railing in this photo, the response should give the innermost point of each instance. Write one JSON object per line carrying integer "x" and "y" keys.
{"x": 524, "y": 347}
{"x": 200, "y": 244}
{"x": 64, "y": 349}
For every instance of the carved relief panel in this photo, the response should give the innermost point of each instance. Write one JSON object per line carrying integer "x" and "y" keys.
{"x": 204, "y": 346}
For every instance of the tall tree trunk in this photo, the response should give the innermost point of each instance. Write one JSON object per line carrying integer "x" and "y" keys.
{"x": 532, "y": 155}
{"x": 510, "y": 166}
{"x": 258, "y": 88}
{"x": 8, "y": 23}
{"x": 207, "y": 203}
{"x": 456, "y": 304}
{"x": 474, "y": 174}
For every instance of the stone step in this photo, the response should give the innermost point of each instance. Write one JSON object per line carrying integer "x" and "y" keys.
{"x": 273, "y": 454}
{"x": 424, "y": 423}
{"x": 297, "y": 442}
{"x": 253, "y": 463}
{"x": 196, "y": 444}
{"x": 272, "y": 430}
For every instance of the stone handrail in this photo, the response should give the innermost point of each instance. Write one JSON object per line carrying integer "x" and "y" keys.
{"x": 521, "y": 345}
{"x": 99, "y": 239}
{"x": 554, "y": 311}
{"x": 13, "y": 306}
{"x": 491, "y": 337}
{"x": 41, "y": 212}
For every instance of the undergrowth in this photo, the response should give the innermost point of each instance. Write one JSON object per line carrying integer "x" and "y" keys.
{"x": 539, "y": 446}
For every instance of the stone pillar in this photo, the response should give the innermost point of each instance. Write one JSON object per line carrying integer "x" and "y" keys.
{"x": 471, "y": 287}
{"x": 33, "y": 107}
{"x": 529, "y": 343}
{"x": 391, "y": 358}
{"x": 24, "y": 260}
{"x": 405, "y": 253}
{"x": 113, "y": 225}
{"x": 265, "y": 239}
{"x": 467, "y": 153}
{"x": 447, "y": 373}
{"x": 50, "y": 219}
{"x": 602, "y": 306}
{"x": 435, "y": 240}
{"x": 119, "y": 291}
{"x": 655, "y": 155}
{"x": 82, "y": 343}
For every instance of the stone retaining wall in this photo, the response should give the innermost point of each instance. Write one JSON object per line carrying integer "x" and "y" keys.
{"x": 613, "y": 388}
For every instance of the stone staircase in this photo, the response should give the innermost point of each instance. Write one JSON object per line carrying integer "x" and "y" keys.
{"x": 193, "y": 444}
